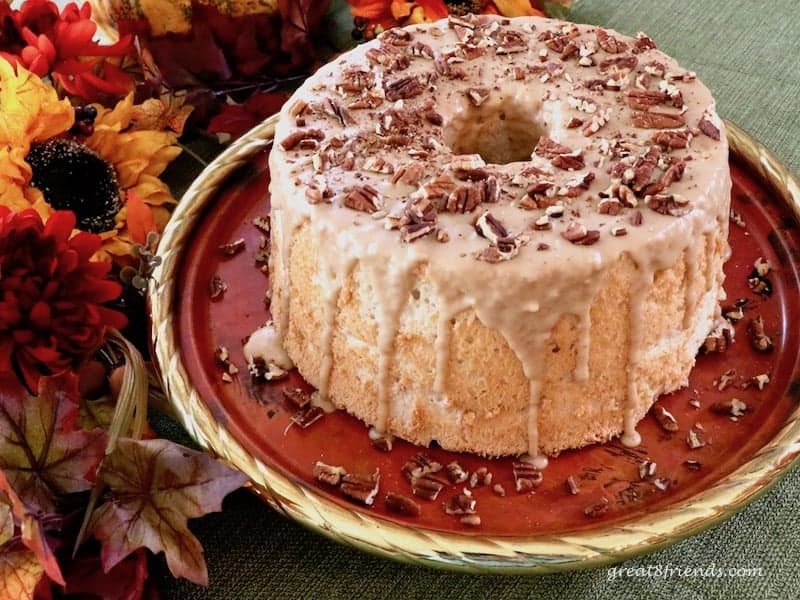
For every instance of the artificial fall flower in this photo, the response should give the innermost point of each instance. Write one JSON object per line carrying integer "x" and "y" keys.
{"x": 382, "y": 14}
{"x": 376, "y": 15}
{"x": 61, "y": 44}
{"x": 97, "y": 162}
{"x": 51, "y": 294}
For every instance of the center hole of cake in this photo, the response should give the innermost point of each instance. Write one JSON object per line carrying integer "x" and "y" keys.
{"x": 500, "y": 133}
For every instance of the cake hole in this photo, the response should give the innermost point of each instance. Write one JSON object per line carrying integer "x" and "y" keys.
{"x": 501, "y": 132}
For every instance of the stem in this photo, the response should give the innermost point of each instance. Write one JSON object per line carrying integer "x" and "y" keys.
{"x": 193, "y": 154}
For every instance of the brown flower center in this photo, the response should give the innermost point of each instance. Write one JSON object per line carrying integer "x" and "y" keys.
{"x": 73, "y": 177}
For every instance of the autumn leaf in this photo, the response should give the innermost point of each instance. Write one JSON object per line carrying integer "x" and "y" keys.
{"x": 32, "y": 534}
{"x": 6, "y": 520}
{"x": 301, "y": 23}
{"x": 42, "y": 453}
{"x": 20, "y": 573}
{"x": 154, "y": 487}
{"x": 238, "y": 119}
{"x": 126, "y": 581}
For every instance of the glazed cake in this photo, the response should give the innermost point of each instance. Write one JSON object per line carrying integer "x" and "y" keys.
{"x": 506, "y": 236}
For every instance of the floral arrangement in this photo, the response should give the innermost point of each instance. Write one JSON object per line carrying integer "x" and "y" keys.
{"x": 97, "y": 135}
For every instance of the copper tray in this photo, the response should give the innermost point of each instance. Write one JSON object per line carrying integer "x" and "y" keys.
{"x": 531, "y": 533}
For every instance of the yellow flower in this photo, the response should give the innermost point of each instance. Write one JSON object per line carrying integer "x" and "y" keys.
{"x": 35, "y": 129}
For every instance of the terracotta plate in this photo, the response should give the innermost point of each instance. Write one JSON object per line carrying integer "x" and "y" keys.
{"x": 615, "y": 513}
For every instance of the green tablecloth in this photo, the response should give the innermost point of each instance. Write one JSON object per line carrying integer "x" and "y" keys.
{"x": 746, "y": 52}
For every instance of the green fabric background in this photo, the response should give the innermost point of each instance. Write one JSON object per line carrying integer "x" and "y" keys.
{"x": 746, "y": 52}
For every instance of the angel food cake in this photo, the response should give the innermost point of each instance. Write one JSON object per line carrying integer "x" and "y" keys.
{"x": 506, "y": 236}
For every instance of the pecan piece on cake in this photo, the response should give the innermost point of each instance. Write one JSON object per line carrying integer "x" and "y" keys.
{"x": 364, "y": 198}
{"x": 657, "y": 120}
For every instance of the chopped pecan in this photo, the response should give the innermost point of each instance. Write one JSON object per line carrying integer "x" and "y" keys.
{"x": 427, "y": 486}
{"x": 644, "y": 99}
{"x": 403, "y": 505}
{"x": 708, "y": 128}
{"x": 609, "y": 206}
{"x": 356, "y": 80}
{"x": 507, "y": 249}
{"x": 405, "y": 87}
{"x": 636, "y": 219}
{"x": 388, "y": 57}
{"x": 468, "y": 196}
{"x": 460, "y": 504}
{"x": 445, "y": 68}
{"x": 480, "y": 477}
{"x": 299, "y": 398}
{"x": 577, "y": 233}
{"x": 730, "y": 408}
{"x": 420, "y": 464}
{"x": 420, "y": 49}
{"x": 294, "y": 139}
{"x": 620, "y": 62}
{"x": 409, "y": 174}
{"x": 692, "y": 465}
{"x": 477, "y": 95}
{"x": 361, "y": 488}
{"x": 696, "y": 439}
{"x": 335, "y": 109}
{"x": 217, "y": 287}
{"x": 668, "y": 204}
{"x": 329, "y": 474}
{"x": 396, "y": 36}
{"x": 664, "y": 418}
{"x": 549, "y": 148}
{"x": 596, "y": 509}
{"x": 759, "y": 339}
{"x": 490, "y": 227}
{"x": 569, "y": 162}
{"x": 526, "y": 476}
{"x": 468, "y": 166}
{"x": 366, "y": 100}
{"x": 364, "y": 198}
{"x": 673, "y": 173}
{"x": 657, "y": 120}
{"x": 456, "y": 473}
{"x": 609, "y": 43}
{"x": 433, "y": 117}
{"x": 419, "y": 219}
{"x": 438, "y": 188}
{"x": 572, "y": 485}
{"x": 574, "y": 122}
{"x": 643, "y": 43}
{"x": 643, "y": 169}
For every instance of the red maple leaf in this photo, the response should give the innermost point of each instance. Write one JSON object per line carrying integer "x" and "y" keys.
{"x": 238, "y": 119}
{"x": 126, "y": 581}
{"x": 155, "y": 486}
{"x": 43, "y": 456}
{"x": 301, "y": 24}
{"x": 42, "y": 452}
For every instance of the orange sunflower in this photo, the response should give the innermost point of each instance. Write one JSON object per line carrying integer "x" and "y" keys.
{"x": 97, "y": 162}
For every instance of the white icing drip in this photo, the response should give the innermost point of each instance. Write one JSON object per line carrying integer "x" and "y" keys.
{"x": 583, "y": 342}
{"x": 336, "y": 268}
{"x": 691, "y": 288}
{"x": 265, "y": 343}
{"x": 392, "y": 284}
{"x": 448, "y": 309}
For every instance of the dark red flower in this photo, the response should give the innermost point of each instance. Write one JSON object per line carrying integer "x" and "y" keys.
{"x": 61, "y": 44}
{"x": 51, "y": 294}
